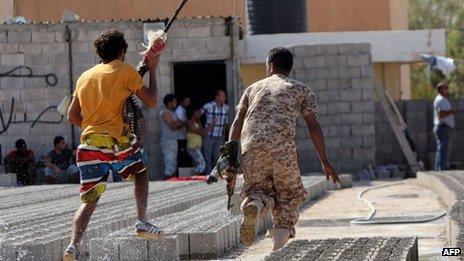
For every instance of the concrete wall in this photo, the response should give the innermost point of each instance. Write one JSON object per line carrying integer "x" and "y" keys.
{"x": 418, "y": 115}
{"x": 342, "y": 79}
{"x": 43, "y": 48}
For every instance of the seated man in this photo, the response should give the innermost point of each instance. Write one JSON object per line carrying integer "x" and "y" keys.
{"x": 59, "y": 164}
{"x": 21, "y": 162}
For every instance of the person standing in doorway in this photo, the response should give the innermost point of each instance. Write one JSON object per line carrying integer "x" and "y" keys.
{"x": 218, "y": 110}
{"x": 170, "y": 127}
{"x": 183, "y": 159}
{"x": 443, "y": 124}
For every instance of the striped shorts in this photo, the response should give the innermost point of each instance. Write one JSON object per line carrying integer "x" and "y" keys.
{"x": 100, "y": 156}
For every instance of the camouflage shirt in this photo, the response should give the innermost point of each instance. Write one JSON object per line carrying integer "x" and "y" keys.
{"x": 273, "y": 105}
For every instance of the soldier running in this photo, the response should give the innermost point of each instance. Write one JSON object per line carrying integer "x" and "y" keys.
{"x": 265, "y": 123}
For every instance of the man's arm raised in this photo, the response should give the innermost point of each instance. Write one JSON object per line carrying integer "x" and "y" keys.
{"x": 149, "y": 95}
{"x": 317, "y": 137}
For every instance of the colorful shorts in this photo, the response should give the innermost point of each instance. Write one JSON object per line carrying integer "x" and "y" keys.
{"x": 100, "y": 156}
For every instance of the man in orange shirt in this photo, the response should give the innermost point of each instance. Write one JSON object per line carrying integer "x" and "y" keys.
{"x": 107, "y": 146}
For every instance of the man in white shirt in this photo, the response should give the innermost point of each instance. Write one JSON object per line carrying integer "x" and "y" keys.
{"x": 183, "y": 159}
{"x": 443, "y": 124}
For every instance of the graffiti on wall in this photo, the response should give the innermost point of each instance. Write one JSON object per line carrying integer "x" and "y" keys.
{"x": 26, "y": 72}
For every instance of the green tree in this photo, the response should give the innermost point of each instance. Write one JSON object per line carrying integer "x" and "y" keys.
{"x": 435, "y": 14}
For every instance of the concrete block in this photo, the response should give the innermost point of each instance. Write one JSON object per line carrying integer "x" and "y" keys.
{"x": 349, "y": 72}
{"x": 11, "y": 84}
{"x": 351, "y": 95}
{"x": 30, "y": 48}
{"x": 43, "y": 37}
{"x": 305, "y": 74}
{"x": 58, "y": 59}
{"x": 325, "y": 49}
{"x": 328, "y": 73}
{"x": 165, "y": 249}
{"x": 363, "y": 83}
{"x": 8, "y": 180}
{"x": 83, "y": 58}
{"x": 303, "y": 51}
{"x": 353, "y": 142}
{"x": 54, "y": 48}
{"x": 363, "y": 106}
{"x": 199, "y": 31}
{"x": 363, "y": 130}
{"x": 32, "y": 95}
{"x": 353, "y": 118}
{"x": 84, "y": 35}
{"x": 35, "y": 60}
{"x": 359, "y": 60}
{"x": 328, "y": 96}
{"x": 314, "y": 62}
{"x": 366, "y": 71}
{"x": 336, "y": 60}
{"x": 218, "y": 30}
{"x": 3, "y": 34}
{"x": 81, "y": 47}
{"x": 204, "y": 245}
{"x": 104, "y": 249}
{"x": 13, "y": 59}
{"x": 19, "y": 36}
{"x": 339, "y": 108}
{"x": 133, "y": 249}
{"x": 9, "y": 48}
{"x": 178, "y": 32}
{"x": 339, "y": 84}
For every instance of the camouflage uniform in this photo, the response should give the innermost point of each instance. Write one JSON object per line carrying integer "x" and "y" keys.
{"x": 269, "y": 151}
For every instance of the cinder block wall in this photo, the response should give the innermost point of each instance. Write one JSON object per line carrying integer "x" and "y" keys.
{"x": 418, "y": 115}
{"x": 43, "y": 48}
{"x": 341, "y": 77}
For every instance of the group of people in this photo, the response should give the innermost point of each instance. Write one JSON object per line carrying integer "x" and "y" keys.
{"x": 264, "y": 123}
{"x": 59, "y": 163}
{"x": 192, "y": 133}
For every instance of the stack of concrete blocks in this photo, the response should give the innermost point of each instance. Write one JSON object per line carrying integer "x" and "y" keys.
{"x": 376, "y": 248}
{"x": 418, "y": 116}
{"x": 44, "y": 48}
{"x": 341, "y": 77}
{"x": 205, "y": 231}
{"x": 39, "y": 228}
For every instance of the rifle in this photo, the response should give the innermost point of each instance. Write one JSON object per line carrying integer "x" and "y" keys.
{"x": 156, "y": 43}
{"x": 226, "y": 168}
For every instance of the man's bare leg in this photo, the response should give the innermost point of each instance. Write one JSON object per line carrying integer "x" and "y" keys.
{"x": 141, "y": 195}
{"x": 81, "y": 220}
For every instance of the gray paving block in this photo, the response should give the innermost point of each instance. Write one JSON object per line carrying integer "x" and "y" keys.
{"x": 376, "y": 248}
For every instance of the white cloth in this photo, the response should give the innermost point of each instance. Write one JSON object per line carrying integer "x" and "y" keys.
{"x": 181, "y": 115}
{"x": 445, "y": 65}
{"x": 442, "y": 104}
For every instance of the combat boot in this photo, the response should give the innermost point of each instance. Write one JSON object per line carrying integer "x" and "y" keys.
{"x": 280, "y": 237}
{"x": 251, "y": 212}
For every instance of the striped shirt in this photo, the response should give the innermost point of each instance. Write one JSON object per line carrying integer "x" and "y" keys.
{"x": 212, "y": 110}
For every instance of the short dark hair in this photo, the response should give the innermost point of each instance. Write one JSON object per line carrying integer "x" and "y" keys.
{"x": 57, "y": 140}
{"x": 282, "y": 59}
{"x": 110, "y": 44}
{"x": 191, "y": 111}
{"x": 168, "y": 98}
{"x": 20, "y": 144}
{"x": 217, "y": 91}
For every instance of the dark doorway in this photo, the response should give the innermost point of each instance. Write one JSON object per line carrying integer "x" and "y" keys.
{"x": 199, "y": 80}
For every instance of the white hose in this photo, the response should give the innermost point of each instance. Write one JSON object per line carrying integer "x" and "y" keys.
{"x": 368, "y": 220}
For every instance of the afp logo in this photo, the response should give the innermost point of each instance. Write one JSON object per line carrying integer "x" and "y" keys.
{"x": 451, "y": 251}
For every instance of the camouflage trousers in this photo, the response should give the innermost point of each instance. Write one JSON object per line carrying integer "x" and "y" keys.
{"x": 273, "y": 177}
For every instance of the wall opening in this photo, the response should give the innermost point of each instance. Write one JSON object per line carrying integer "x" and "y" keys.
{"x": 199, "y": 80}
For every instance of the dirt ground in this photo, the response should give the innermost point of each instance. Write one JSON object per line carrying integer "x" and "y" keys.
{"x": 330, "y": 216}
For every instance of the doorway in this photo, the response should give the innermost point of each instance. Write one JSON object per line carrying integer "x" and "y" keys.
{"x": 199, "y": 80}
